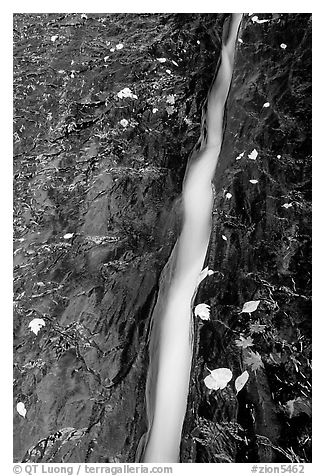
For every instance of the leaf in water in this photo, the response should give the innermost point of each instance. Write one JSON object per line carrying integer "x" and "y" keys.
{"x": 241, "y": 381}
{"x": 161, "y": 60}
{"x": 244, "y": 342}
{"x": 202, "y": 311}
{"x": 204, "y": 273}
{"x": 240, "y": 156}
{"x": 254, "y": 360}
{"x": 67, "y": 236}
{"x": 21, "y": 409}
{"x": 219, "y": 378}
{"x": 250, "y": 306}
{"x": 253, "y": 181}
{"x": 287, "y": 205}
{"x": 253, "y": 155}
{"x": 36, "y": 324}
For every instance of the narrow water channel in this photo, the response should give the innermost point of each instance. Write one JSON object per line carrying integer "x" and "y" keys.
{"x": 170, "y": 347}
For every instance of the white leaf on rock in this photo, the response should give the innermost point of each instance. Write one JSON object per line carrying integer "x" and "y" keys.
{"x": 250, "y": 306}
{"x": 126, "y": 93}
{"x": 241, "y": 381}
{"x": 202, "y": 311}
{"x": 21, "y": 409}
{"x": 218, "y": 378}
{"x": 36, "y": 324}
{"x": 171, "y": 99}
{"x": 253, "y": 155}
{"x": 255, "y": 19}
{"x": 254, "y": 181}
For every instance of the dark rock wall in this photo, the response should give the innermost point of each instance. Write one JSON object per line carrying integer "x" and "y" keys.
{"x": 96, "y": 216}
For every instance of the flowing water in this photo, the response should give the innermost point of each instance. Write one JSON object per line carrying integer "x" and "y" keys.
{"x": 171, "y": 342}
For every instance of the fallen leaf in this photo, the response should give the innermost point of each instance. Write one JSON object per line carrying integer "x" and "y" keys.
{"x": 297, "y": 406}
{"x": 240, "y": 40}
{"x": 254, "y": 181}
{"x": 36, "y": 324}
{"x": 253, "y": 155}
{"x": 240, "y": 156}
{"x": 257, "y": 328}
{"x": 84, "y": 16}
{"x": 224, "y": 237}
{"x": 67, "y": 236}
{"x": 287, "y": 205}
{"x": 154, "y": 110}
{"x": 21, "y": 409}
{"x": 244, "y": 342}
{"x": 241, "y": 381}
{"x": 54, "y": 37}
{"x": 168, "y": 71}
{"x": 228, "y": 195}
{"x": 126, "y": 93}
{"x": 218, "y": 378}
{"x": 119, "y": 46}
{"x": 204, "y": 273}
{"x": 250, "y": 306}
{"x": 255, "y": 19}
{"x": 124, "y": 122}
{"x": 283, "y": 46}
{"x": 202, "y": 311}
{"x": 171, "y": 99}
{"x": 161, "y": 60}
{"x": 266, "y": 104}
{"x": 254, "y": 360}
